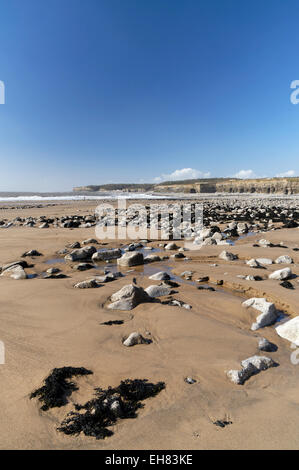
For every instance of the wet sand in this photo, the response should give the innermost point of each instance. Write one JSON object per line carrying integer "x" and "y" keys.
{"x": 46, "y": 323}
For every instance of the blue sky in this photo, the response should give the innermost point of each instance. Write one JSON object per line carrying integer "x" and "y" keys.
{"x": 106, "y": 91}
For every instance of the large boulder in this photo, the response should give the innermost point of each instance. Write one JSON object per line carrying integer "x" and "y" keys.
{"x": 131, "y": 259}
{"x": 128, "y": 298}
{"x": 269, "y": 313}
{"x": 290, "y": 330}
{"x": 15, "y": 272}
{"x": 281, "y": 274}
{"x": 104, "y": 255}
{"x": 81, "y": 254}
{"x": 157, "y": 291}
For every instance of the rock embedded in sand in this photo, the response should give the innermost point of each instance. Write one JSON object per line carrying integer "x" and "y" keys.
{"x": 171, "y": 246}
{"x": 83, "y": 266}
{"x": 157, "y": 291}
{"x": 269, "y": 313}
{"x": 128, "y": 297}
{"x": 227, "y": 256}
{"x": 281, "y": 274}
{"x": 31, "y": 253}
{"x": 253, "y": 263}
{"x": 81, "y": 254}
{"x": 160, "y": 276}
{"x": 264, "y": 261}
{"x": 284, "y": 259}
{"x": 104, "y": 255}
{"x": 131, "y": 259}
{"x": 289, "y": 330}
{"x": 152, "y": 258}
{"x": 88, "y": 284}
{"x": 251, "y": 366}
{"x": 135, "y": 338}
{"x": 266, "y": 346}
{"x": 15, "y": 272}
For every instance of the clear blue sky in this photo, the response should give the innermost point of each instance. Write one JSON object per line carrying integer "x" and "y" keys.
{"x": 101, "y": 91}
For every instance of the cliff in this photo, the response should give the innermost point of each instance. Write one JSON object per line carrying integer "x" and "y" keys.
{"x": 208, "y": 185}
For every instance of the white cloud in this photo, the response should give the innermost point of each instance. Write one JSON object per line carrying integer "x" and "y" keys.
{"x": 288, "y": 173}
{"x": 183, "y": 174}
{"x": 244, "y": 174}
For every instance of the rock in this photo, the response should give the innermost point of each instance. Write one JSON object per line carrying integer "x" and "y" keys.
{"x": 269, "y": 313}
{"x": 15, "y": 272}
{"x": 31, "y": 253}
{"x": 157, "y": 291}
{"x": 135, "y": 338}
{"x": 44, "y": 225}
{"x": 253, "y": 263}
{"x": 52, "y": 271}
{"x": 284, "y": 259}
{"x": 108, "y": 277}
{"x": 264, "y": 243}
{"x": 171, "y": 246}
{"x": 266, "y": 346}
{"x": 289, "y": 330}
{"x": 104, "y": 255}
{"x": 209, "y": 288}
{"x": 178, "y": 255}
{"x": 90, "y": 241}
{"x": 203, "y": 279}
{"x": 74, "y": 245}
{"x": 228, "y": 256}
{"x": 21, "y": 263}
{"x": 177, "y": 303}
{"x": 88, "y": 284}
{"x": 152, "y": 258}
{"x": 264, "y": 261}
{"x": 281, "y": 274}
{"x": 128, "y": 298}
{"x": 131, "y": 259}
{"x": 251, "y": 366}
{"x": 81, "y": 254}
{"x": 161, "y": 276}
{"x": 83, "y": 266}
{"x": 190, "y": 380}
{"x": 286, "y": 285}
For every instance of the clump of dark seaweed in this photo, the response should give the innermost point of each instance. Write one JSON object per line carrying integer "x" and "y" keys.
{"x": 57, "y": 387}
{"x": 113, "y": 322}
{"x": 108, "y": 406}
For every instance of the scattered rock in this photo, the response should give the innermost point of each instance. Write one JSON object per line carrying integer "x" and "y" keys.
{"x": 284, "y": 259}
{"x": 266, "y": 346}
{"x": 131, "y": 259}
{"x": 160, "y": 276}
{"x": 158, "y": 291}
{"x": 228, "y": 256}
{"x": 128, "y": 298}
{"x": 289, "y": 330}
{"x": 135, "y": 338}
{"x": 251, "y": 366}
{"x": 269, "y": 313}
{"x": 281, "y": 274}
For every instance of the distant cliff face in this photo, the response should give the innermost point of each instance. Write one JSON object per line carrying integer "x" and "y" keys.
{"x": 221, "y": 185}
{"x": 266, "y": 185}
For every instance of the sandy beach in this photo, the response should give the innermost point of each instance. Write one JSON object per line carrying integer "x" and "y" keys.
{"x": 47, "y": 323}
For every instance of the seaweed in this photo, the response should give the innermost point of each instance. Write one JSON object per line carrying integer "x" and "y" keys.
{"x": 113, "y": 322}
{"x": 57, "y": 387}
{"x": 107, "y": 407}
